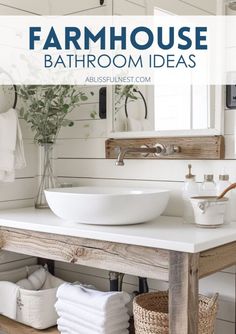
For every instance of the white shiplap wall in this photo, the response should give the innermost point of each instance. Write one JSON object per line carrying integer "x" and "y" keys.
{"x": 19, "y": 193}
{"x": 80, "y": 159}
{"x": 22, "y": 191}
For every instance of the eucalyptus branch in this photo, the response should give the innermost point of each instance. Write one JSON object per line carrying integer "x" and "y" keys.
{"x": 46, "y": 108}
{"x": 121, "y": 93}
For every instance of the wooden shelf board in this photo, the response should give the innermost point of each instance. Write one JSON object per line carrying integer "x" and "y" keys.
{"x": 8, "y": 326}
{"x": 191, "y": 148}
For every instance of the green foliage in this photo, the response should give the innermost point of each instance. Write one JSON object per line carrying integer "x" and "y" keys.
{"x": 93, "y": 114}
{"x": 46, "y": 108}
{"x": 121, "y": 92}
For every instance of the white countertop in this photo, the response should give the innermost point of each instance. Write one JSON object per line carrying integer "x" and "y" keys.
{"x": 165, "y": 232}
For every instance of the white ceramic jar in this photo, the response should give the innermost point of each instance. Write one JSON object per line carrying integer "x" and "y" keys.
{"x": 209, "y": 211}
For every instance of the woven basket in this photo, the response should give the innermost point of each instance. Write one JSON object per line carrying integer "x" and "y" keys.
{"x": 151, "y": 313}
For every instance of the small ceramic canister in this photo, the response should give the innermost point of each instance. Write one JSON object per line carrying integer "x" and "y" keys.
{"x": 208, "y": 210}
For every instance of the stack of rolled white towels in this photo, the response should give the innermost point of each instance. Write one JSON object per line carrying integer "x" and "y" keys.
{"x": 84, "y": 310}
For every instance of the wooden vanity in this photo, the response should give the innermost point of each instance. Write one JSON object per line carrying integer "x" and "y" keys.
{"x": 11, "y": 327}
{"x": 166, "y": 249}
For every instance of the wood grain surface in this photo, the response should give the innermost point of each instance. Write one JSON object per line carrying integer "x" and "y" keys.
{"x": 205, "y": 147}
{"x": 8, "y": 326}
{"x": 183, "y": 293}
{"x": 128, "y": 259}
{"x": 216, "y": 259}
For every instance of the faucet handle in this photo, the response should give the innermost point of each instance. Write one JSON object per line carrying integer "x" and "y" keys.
{"x": 171, "y": 149}
{"x": 160, "y": 150}
{"x": 166, "y": 149}
{"x": 145, "y": 155}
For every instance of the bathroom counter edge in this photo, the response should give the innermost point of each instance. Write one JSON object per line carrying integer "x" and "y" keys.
{"x": 169, "y": 233}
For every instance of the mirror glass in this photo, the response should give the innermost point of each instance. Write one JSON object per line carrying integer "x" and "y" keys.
{"x": 6, "y": 98}
{"x": 190, "y": 108}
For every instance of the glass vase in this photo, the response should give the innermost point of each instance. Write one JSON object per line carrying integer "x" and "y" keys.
{"x": 48, "y": 180}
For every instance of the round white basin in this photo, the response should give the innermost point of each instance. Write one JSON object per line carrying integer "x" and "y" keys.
{"x": 107, "y": 205}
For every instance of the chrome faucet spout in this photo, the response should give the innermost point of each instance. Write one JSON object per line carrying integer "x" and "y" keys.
{"x": 124, "y": 151}
{"x": 157, "y": 150}
{"x": 120, "y": 163}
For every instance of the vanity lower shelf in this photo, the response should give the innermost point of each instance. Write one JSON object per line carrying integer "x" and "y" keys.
{"x": 8, "y": 326}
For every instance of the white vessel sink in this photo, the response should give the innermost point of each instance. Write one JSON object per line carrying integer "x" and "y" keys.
{"x": 107, "y": 205}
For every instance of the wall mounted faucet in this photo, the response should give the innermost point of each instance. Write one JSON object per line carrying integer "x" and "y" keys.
{"x": 157, "y": 150}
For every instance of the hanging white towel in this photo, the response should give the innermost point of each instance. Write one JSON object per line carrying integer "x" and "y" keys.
{"x": 97, "y": 300}
{"x": 77, "y": 313}
{"x": 9, "y": 293}
{"x": 133, "y": 124}
{"x": 11, "y": 146}
{"x": 20, "y": 161}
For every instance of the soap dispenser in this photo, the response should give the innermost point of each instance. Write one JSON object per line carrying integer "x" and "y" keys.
{"x": 190, "y": 189}
{"x": 208, "y": 186}
{"x": 221, "y": 185}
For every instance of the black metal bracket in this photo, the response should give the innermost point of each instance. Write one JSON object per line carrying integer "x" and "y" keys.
{"x": 144, "y": 102}
{"x": 143, "y": 285}
{"x": 116, "y": 281}
{"x": 49, "y": 263}
{"x": 103, "y": 103}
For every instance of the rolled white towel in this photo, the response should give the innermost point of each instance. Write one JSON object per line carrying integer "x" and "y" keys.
{"x": 103, "y": 324}
{"x": 107, "y": 328}
{"x": 98, "y": 300}
{"x": 115, "y": 307}
{"x": 35, "y": 281}
{"x": 64, "y": 308}
{"x": 79, "y": 329}
{"x": 63, "y": 330}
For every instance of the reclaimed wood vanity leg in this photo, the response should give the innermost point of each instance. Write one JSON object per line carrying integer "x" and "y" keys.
{"x": 183, "y": 293}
